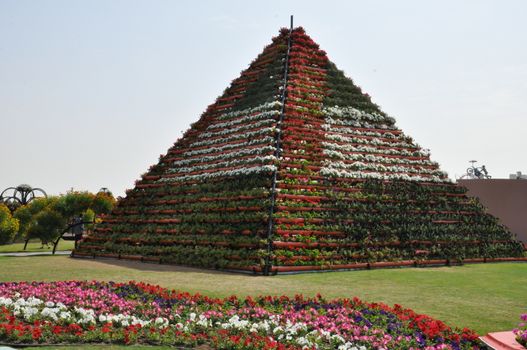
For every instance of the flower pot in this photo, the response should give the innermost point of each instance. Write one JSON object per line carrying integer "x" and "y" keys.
{"x": 391, "y": 264}
{"x": 502, "y": 341}
{"x": 431, "y": 262}
{"x": 107, "y": 255}
{"x": 151, "y": 259}
{"x": 132, "y": 257}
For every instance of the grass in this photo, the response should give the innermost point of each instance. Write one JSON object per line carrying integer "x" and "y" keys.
{"x": 484, "y": 297}
{"x": 35, "y": 246}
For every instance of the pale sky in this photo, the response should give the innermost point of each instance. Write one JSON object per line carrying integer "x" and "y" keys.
{"x": 92, "y": 92}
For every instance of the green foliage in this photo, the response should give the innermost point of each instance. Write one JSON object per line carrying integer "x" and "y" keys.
{"x": 74, "y": 203}
{"x": 89, "y": 215}
{"x": 26, "y": 214}
{"x": 47, "y": 225}
{"x": 8, "y": 225}
{"x": 102, "y": 203}
{"x": 46, "y": 218}
{"x": 343, "y": 92}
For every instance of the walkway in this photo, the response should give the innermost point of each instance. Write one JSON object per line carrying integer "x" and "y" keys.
{"x": 58, "y": 252}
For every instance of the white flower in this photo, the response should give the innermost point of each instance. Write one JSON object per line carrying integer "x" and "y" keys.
{"x": 6, "y": 301}
{"x": 233, "y": 172}
{"x": 235, "y": 130}
{"x": 29, "y": 312}
{"x": 50, "y": 312}
{"x": 203, "y": 321}
{"x": 161, "y": 322}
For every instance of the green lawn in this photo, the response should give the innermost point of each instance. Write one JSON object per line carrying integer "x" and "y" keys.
{"x": 485, "y": 297}
{"x": 35, "y": 246}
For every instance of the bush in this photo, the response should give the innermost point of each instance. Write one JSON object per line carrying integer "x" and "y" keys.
{"x": 46, "y": 218}
{"x": 47, "y": 226}
{"x": 8, "y": 225}
{"x": 26, "y": 214}
{"x": 103, "y": 203}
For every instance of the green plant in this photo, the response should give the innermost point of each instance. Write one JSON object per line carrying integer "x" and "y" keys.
{"x": 47, "y": 225}
{"x": 26, "y": 214}
{"x": 8, "y": 225}
{"x": 46, "y": 218}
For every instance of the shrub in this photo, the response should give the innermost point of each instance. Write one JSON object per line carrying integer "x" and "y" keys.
{"x": 8, "y": 225}
{"x": 47, "y": 225}
{"x": 26, "y": 214}
{"x": 46, "y": 218}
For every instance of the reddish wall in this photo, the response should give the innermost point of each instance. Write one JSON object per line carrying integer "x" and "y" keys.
{"x": 505, "y": 199}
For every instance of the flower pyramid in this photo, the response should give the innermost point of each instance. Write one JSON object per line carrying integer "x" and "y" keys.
{"x": 294, "y": 168}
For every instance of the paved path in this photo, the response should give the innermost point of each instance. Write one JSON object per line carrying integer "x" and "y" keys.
{"x": 58, "y": 252}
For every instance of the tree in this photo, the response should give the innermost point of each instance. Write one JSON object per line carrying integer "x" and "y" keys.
{"x": 8, "y": 225}
{"x": 103, "y": 203}
{"x": 47, "y": 226}
{"x": 26, "y": 214}
{"x": 47, "y": 218}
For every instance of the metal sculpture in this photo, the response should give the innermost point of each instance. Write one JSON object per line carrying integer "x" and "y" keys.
{"x": 73, "y": 232}
{"x": 476, "y": 173}
{"x": 13, "y": 197}
{"x": 104, "y": 190}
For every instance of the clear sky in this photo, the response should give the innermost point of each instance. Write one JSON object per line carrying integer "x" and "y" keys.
{"x": 92, "y": 92}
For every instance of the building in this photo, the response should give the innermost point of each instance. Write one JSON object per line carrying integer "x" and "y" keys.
{"x": 505, "y": 199}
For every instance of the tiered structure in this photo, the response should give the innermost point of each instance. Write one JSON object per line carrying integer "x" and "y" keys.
{"x": 294, "y": 168}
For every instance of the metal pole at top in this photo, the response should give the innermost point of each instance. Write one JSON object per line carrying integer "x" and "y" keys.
{"x": 291, "y": 22}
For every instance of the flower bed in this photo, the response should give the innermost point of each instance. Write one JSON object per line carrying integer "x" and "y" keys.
{"x": 521, "y": 331}
{"x": 101, "y": 312}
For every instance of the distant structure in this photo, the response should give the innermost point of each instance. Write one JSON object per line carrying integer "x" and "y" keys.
{"x": 506, "y": 199}
{"x": 474, "y": 172}
{"x": 13, "y": 197}
{"x": 518, "y": 176}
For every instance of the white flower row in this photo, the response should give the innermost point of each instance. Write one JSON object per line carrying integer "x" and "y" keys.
{"x": 297, "y": 332}
{"x": 358, "y": 124}
{"x": 263, "y": 107}
{"x": 214, "y": 149}
{"x": 369, "y": 149}
{"x": 222, "y": 173}
{"x": 353, "y": 113}
{"x": 377, "y": 159}
{"x": 353, "y": 131}
{"x": 246, "y": 119}
{"x": 326, "y": 171}
{"x": 227, "y": 155}
{"x": 247, "y": 135}
{"x": 377, "y": 142}
{"x": 127, "y": 320}
{"x": 274, "y": 326}
{"x": 245, "y": 127}
{"x": 225, "y": 164}
{"x": 33, "y": 308}
{"x": 380, "y": 167}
